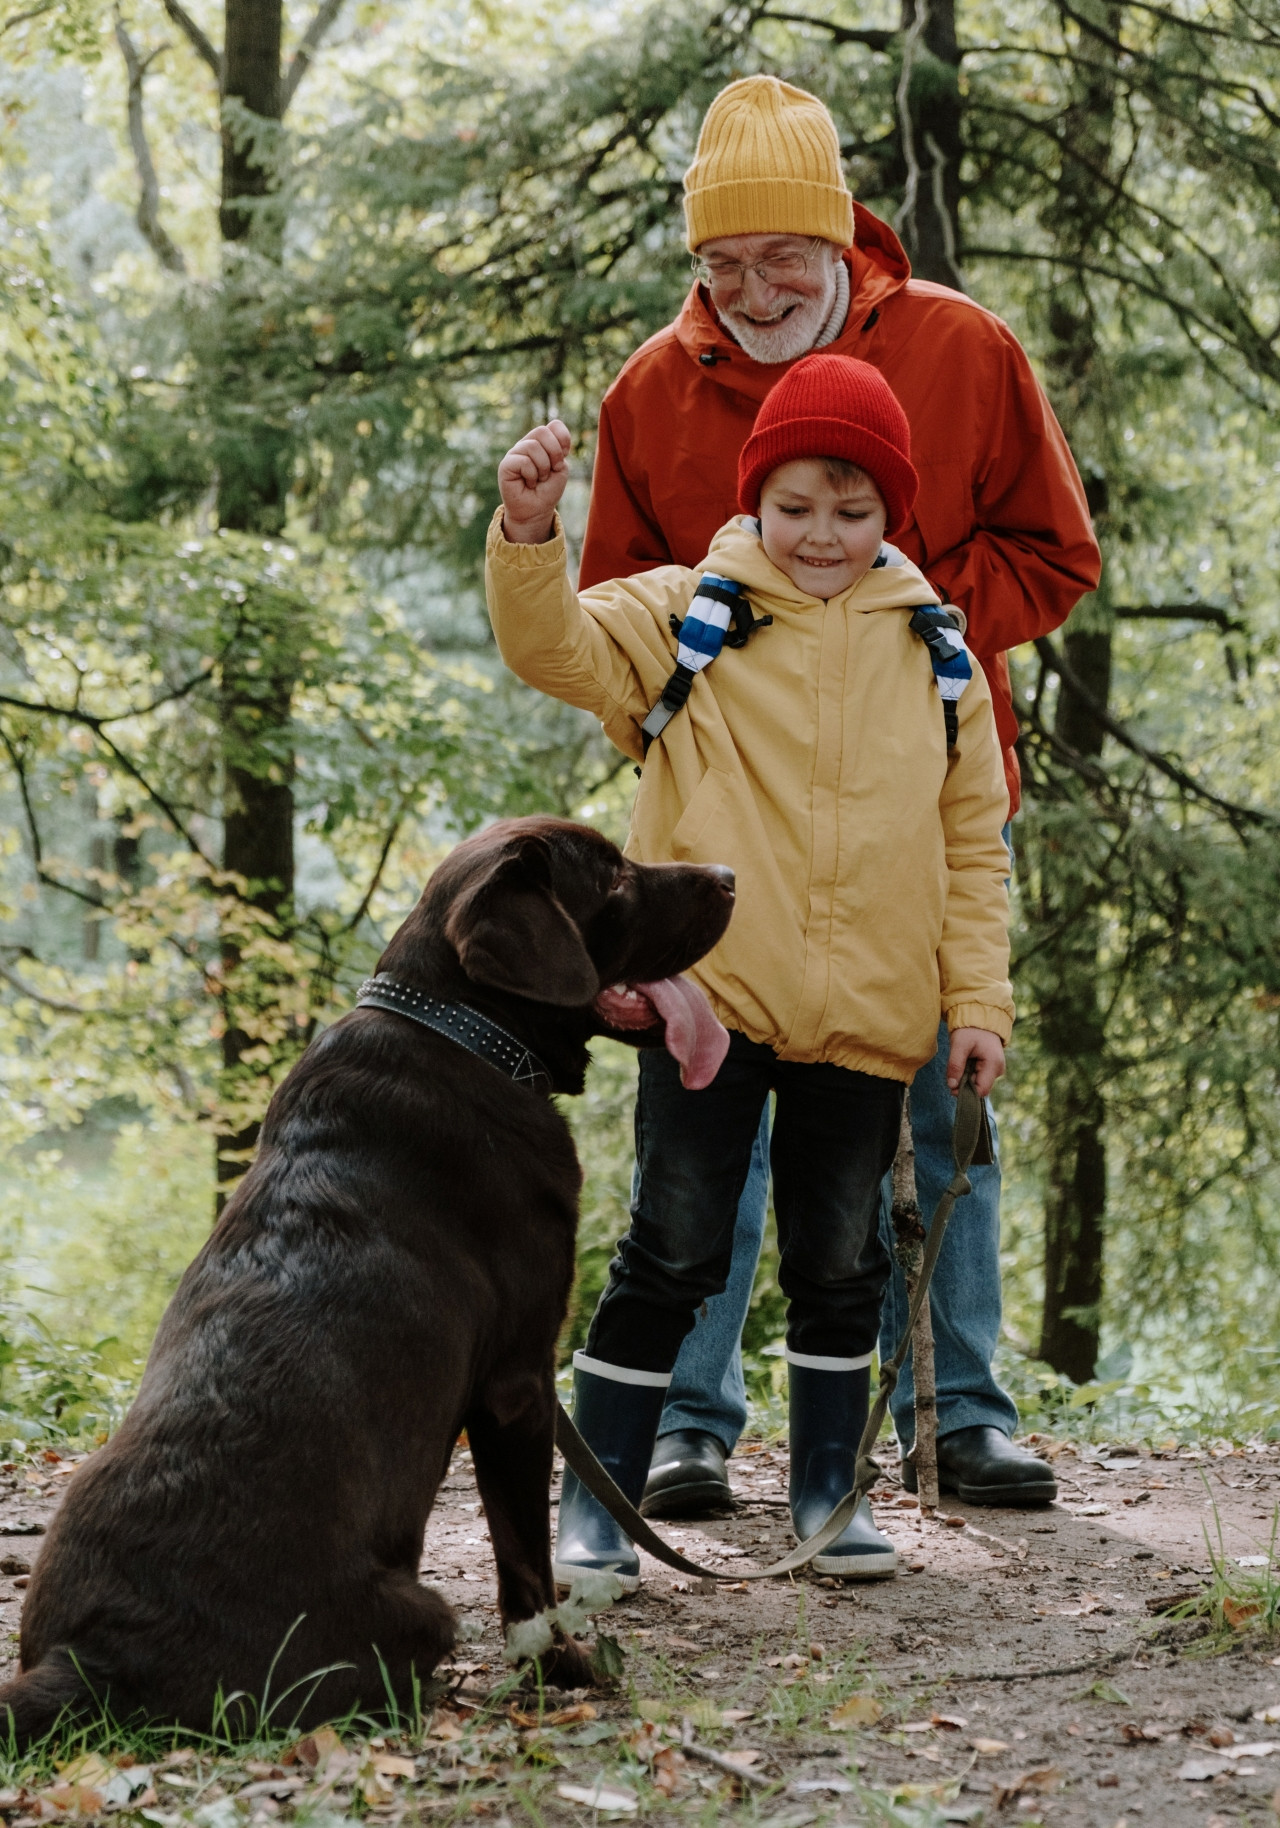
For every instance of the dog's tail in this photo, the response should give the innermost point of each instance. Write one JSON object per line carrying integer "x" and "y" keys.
{"x": 37, "y": 1700}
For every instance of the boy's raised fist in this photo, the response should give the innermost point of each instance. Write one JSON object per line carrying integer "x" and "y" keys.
{"x": 532, "y": 478}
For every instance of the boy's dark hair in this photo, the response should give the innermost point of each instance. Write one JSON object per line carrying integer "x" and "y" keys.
{"x": 839, "y": 469}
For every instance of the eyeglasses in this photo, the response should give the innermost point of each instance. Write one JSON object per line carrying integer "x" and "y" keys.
{"x": 777, "y": 270}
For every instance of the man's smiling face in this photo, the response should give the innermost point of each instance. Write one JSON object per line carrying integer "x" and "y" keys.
{"x": 780, "y": 316}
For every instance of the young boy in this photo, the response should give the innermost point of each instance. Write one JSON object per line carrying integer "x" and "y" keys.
{"x": 843, "y": 759}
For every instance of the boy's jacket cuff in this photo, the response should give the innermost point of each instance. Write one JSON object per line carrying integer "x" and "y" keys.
{"x": 544, "y": 553}
{"x": 980, "y": 1015}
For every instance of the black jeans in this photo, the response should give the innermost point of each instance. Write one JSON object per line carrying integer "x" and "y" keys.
{"x": 835, "y": 1134}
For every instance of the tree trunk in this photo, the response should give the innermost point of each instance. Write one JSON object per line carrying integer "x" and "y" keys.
{"x": 1074, "y": 1039}
{"x": 929, "y": 111}
{"x": 1072, "y": 1024}
{"x": 258, "y": 673}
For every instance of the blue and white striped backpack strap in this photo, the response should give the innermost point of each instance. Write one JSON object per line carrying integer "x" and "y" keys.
{"x": 941, "y": 633}
{"x": 718, "y": 604}
{"x": 952, "y": 667}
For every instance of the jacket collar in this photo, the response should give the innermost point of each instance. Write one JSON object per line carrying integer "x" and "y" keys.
{"x": 878, "y": 267}
{"x": 737, "y": 553}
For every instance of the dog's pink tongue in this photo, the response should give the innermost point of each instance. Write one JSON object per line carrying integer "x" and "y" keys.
{"x": 694, "y": 1036}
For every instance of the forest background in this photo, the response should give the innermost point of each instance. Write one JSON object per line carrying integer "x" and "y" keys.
{"x": 280, "y": 283}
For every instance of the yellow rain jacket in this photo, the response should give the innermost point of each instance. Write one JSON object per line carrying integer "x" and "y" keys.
{"x": 870, "y": 866}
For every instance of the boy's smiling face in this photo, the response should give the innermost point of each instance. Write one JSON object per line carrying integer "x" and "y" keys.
{"x": 821, "y": 523}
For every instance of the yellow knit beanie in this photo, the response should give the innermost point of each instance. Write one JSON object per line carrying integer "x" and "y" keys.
{"x": 768, "y": 163}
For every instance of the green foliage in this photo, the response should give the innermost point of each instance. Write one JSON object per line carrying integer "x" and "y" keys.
{"x": 475, "y": 222}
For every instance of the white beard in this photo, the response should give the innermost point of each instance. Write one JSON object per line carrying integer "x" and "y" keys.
{"x": 793, "y": 336}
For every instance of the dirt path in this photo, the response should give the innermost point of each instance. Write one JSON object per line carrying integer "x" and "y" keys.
{"x": 1014, "y": 1671}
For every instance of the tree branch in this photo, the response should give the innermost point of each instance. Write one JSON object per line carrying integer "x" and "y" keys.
{"x": 1235, "y": 815}
{"x": 147, "y": 215}
{"x": 35, "y": 12}
{"x": 875, "y": 38}
{"x": 58, "y": 1003}
{"x": 199, "y": 43}
{"x": 312, "y": 38}
{"x": 1180, "y": 612}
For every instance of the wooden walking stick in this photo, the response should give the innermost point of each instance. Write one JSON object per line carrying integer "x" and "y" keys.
{"x": 910, "y": 1234}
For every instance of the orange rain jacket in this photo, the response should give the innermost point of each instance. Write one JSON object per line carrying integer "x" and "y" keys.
{"x": 1001, "y": 527}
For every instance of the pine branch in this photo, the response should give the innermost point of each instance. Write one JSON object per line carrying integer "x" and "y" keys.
{"x": 147, "y": 215}
{"x": 301, "y": 61}
{"x": 197, "y": 39}
{"x": 1236, "y": 816}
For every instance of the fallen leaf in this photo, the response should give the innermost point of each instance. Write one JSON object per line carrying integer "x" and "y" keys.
{"x": 1263, "y": 1749}
{"x": 1198, "y": 1770}
{"x": 859, "y": 1710}
{"x": 1269, "y": 1714}
{"x": 1045, "y": 1779}
{"x": 90, "y": 1769}
{"x": 1238, "y": 1613}
{"x": 745, "y": 1757}
{"x": 988, "y": 1748}
{"x": 956, "y": 1722}
{"x": 317, "y": 1748}
{"x": 730, "y": 1716}
{"x": 1135, "y": 1735}
{"x": 609, "y": 1799}
{"x": 386, "y": 1765}
{"x": 73, "y": 1799}
{"x": 704, "y": 1714}
{"x": 669, "y": 1766}
{"x": 916, "y": 1726}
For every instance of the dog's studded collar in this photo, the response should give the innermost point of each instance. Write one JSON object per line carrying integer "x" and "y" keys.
{"x": 466, "y": 1026}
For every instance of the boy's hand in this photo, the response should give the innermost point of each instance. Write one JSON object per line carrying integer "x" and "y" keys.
{"x": 980, "y": 1045}
{"x": 532, "y": 478}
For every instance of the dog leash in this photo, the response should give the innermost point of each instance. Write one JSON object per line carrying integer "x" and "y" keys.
{"x": 969, "y": 1125}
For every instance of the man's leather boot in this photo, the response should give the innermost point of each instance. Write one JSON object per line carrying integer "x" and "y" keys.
{"x": 687, "y": 1477}
{"x": 828, "y": 1415}
{"x": 618, "y": 1420}
{"x": 981, "y": 1465}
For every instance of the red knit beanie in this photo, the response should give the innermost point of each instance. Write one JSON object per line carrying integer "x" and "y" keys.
{"x": 833, "y": 406}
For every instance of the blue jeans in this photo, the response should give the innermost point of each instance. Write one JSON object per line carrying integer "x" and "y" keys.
{"x": 707, "y": 1390}
{"x": 834, "y": 1136}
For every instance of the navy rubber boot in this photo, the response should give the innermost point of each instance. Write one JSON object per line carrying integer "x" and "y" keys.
{"x": 619, "y": 1423}
{"x": 828, "y": 1415}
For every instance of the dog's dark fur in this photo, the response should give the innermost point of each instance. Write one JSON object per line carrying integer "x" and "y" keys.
{"x": 394, "y": 1267}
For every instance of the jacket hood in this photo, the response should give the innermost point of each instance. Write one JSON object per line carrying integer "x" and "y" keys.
{"x": 737, "y": 553}
{"x": 878, "y": 267}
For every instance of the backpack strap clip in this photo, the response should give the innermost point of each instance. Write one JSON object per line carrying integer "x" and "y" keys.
{"x": 952, "y": 667}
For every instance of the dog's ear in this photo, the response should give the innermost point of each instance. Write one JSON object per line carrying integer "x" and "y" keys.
{"x": 510, "y": 931}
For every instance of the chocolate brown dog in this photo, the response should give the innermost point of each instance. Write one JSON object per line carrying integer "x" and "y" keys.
{"x": 394, "y": 1267}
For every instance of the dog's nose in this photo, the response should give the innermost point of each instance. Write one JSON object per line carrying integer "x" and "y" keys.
{"x": 723, "y": 875}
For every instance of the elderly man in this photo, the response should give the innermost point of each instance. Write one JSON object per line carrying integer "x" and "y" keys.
{"x": 787, "y": 263}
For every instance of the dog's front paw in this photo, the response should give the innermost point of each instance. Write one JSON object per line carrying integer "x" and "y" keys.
{"x": 567, "y": 1664}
